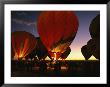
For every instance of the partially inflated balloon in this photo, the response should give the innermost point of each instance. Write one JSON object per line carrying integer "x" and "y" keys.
{"x": 57, "y": 30}
{"x": 22, "y": 43}
{"x": 66, "y": 53}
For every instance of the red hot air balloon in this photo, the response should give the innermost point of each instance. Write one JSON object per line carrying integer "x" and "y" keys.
{"x": 22, "y": 43}
{"x": 57, "y": 29}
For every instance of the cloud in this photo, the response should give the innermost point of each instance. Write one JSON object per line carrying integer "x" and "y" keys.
{"x": 22, "y": 13}
{"x": 19, "y": 21}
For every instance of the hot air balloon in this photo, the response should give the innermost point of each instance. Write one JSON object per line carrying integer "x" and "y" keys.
{"x": 57, "y": 29}
{"x": 93, "y": 45}
{"x": 40, "y": 50}
{"x": 86, "y": 52}
{"x": 22, "y": 43}
{"x": 66, "y": 53}
{"x": 94, "y": 28}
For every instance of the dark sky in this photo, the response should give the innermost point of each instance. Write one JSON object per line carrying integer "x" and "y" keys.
{"x": 27, "y": 21}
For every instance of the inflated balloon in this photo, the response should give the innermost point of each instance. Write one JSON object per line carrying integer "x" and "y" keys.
{"x": 94, "y": 28}
{"x": 66, "y": 53}
{"x": 86, "y": 53}
{"x": 57, "y": 29}
{"x": 93, "y": 45}
{"x": 22, "y": 43}
{"x": 40, "y": 50}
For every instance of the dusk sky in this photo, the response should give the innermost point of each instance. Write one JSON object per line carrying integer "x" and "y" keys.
{"x": 27, "y": 21}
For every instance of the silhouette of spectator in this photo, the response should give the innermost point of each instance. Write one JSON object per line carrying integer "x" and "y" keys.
{"x": 57, "y": 68}
{"x": 43, "y": 66}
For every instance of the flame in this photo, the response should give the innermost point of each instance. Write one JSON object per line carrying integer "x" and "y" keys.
{"x": 16, "y": 57}
{"x": 21, "y": 55}
{"x": 55, "y": 56}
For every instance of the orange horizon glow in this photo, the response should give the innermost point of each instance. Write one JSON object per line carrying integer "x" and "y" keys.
{"x": 91, "y": 58}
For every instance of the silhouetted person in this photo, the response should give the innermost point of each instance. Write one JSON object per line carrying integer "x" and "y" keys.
{"x": 28, "y": 65}
{"x": 20, "y": 64}
{"x": 43, "y": 66}
{"x": 57, "y": 68}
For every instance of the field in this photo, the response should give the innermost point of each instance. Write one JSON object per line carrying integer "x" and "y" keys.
{"x": 67, "y": 68}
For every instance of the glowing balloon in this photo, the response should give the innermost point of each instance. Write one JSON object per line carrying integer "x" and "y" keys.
{"x": 57, "y": 29}
{"x": 22, "y": 43}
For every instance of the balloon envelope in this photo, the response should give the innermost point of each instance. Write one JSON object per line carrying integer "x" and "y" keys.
{"x": 40, "y": 50}
{"x": 94, "y": 28}
{"x": 57, "y": 30}
{"x": 66, "y": 53}
{"x": 22, "y": 43}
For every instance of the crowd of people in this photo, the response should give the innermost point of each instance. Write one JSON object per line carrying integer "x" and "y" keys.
{"x": 43, "y": 66}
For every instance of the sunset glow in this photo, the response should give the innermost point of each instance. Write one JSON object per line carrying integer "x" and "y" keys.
{"x": 74, "y": 58}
